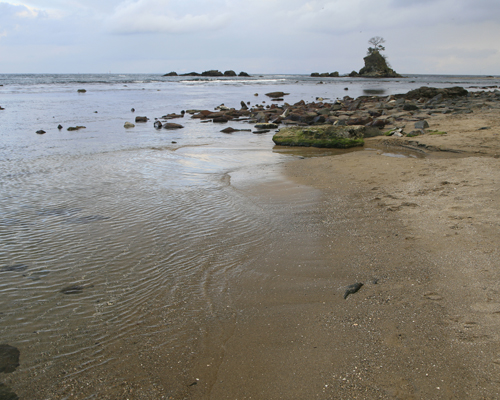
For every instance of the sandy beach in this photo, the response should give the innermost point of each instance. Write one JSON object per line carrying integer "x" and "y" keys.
{"x": 421, "y": 234}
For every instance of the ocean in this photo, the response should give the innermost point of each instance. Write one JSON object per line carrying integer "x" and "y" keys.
{"x": 119, "y": 246}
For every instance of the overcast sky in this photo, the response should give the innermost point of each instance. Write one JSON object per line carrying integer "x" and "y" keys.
{"x": 256, "y": 36}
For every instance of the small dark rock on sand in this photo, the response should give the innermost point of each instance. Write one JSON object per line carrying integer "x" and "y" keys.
{"x": 6, "y": 393}
{"x": 14, "y": 268}
{"x": 40, "y": 132}
{"x": 9, "y": 358}
{"x": 351, "y": 289}
{"x": 74, "y": 289}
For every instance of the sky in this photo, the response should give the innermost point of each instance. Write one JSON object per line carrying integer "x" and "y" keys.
{"x": 255, "y": 36}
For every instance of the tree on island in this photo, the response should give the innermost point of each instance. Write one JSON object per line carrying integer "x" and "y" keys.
{"x": 376, "y": 42}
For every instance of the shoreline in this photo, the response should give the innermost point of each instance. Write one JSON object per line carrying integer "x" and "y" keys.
{"x": 421, "y": 234}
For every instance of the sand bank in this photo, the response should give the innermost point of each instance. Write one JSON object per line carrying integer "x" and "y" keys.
{"x": 422, "y": 235}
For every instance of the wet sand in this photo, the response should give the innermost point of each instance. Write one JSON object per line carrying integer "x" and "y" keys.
{"x": 421, "y": 234}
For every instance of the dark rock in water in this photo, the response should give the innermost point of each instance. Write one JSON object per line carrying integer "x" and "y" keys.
{"x": 220, "y": 120}
{"x": 9, "y": 358}
{"x": 171, "y": 74}
{"x": 242, "y": 73}
{"x": 171, "y": 125}
{"x": 59, "y": 126}
{"x": 40, "y": 132}
{"x": 157, "y": 125}
{"x": 212, "y": 72}
{"x": 14, "y": 268}
{"x": 76, "y": 128}
{"x": 82, "y": 91}
{"x": 74, "y": 289}
{"x": 243, "y": 105}
{"x": 229, "y": 130}
{"x": 132, "y": 109}
{"x": 229, "y": 73}
{"x": 266, "y": 126}
{"x": 141, "y": 119}
{"x": 6, "y": 393}
{"x": 260, "y": 131}
{"x": 351, "y": 289}
{"x": 276, "y": 94}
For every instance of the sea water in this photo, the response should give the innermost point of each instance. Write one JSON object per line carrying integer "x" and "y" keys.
{"x": 116, "y": 245}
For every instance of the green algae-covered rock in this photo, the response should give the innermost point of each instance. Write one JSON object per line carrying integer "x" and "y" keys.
{"x": 321, "y": 136}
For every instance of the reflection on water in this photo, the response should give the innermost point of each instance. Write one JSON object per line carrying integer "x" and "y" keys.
{"x": 374, "y": 91}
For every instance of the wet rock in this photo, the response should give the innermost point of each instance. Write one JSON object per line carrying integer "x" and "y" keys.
{"x": 243, "y": 106}
{"x": 171, "y": 74}
{"x": 261, "y": 131}
{"x": 229, "y": 130}
{"x": 132, "y": 109}
{"x": 14, "y": 268}
{"x": 242, "y": 73}
{"x": 212, "y": 72}
{"x": 421, "y": 124}
{"x": 141, "y": 119}
{"x": 220, "y": 120}
{"x": 76, "y": 128}
{"x": 351, "y": 289}
{"x": 229, "y": 73}
{"x": 128, "y": 125}
{"x": 40, "y": 132}
{"x": 6, "y": 393}
{"x": 157, "y": 125}
{"x": 266, "y": 126}
{"x": 431, "y": 93}
{"x": 321, "y": 136}
{"x": 9, "y": 358}
{"x": 59, "y": 126}
{"x": 171, "y": 125}
{"x": 81, "y": 91}
{"x": 73, "y": 289}
{"x": 276, "y": 94}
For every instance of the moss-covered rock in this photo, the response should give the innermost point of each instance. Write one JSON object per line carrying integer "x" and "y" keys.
{"x": 321, "y": 136}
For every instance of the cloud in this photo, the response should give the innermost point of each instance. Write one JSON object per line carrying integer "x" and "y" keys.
{"x": 155, "y": 16}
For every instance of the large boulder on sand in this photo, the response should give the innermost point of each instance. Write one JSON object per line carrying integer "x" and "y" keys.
{"x": 321, "y": 136}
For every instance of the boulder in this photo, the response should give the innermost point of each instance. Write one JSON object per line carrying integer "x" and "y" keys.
{"x": 157, "y": 124}
{"x": 76, "y": 128}
{"x": 171, "y": 74}
{"x": 321, "y": 136}
{"x": 266, "y": 126}
{"x": 81, "y": 91}
{"x": 229, "y": 73}
{"x": 435, "y": 93}
{"x": 243, "y": 105}
{"x": 421, "y": 124}
{"x": 212, "y": 72}
{"x": 276, "y": 94}
{"x": 171, "y": 125}
{"x": 128, "y": 125}
{"x": 59, "y": 126}
{"x": 40, "y": 132}
{"x": 243, "y": 74}
{"x": 141, "y": 119}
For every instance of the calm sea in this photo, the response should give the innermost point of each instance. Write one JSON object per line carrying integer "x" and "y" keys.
{"x": 116, "y": 245}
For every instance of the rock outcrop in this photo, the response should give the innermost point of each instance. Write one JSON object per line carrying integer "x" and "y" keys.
{"x": 376, "y": 67}
{"x": 321, "y": 136}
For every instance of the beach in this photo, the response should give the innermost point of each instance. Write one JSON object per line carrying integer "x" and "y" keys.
{"x": 422, "y": 235}
{"x": 148, "y": 264}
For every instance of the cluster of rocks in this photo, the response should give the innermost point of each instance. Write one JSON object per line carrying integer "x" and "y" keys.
{"x": 375, "y": 67}
{"x": 325, "y": 75}
{"x": 211, "y": 73}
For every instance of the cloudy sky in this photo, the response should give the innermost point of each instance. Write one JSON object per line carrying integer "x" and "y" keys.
{"x": 257, "y": 36}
